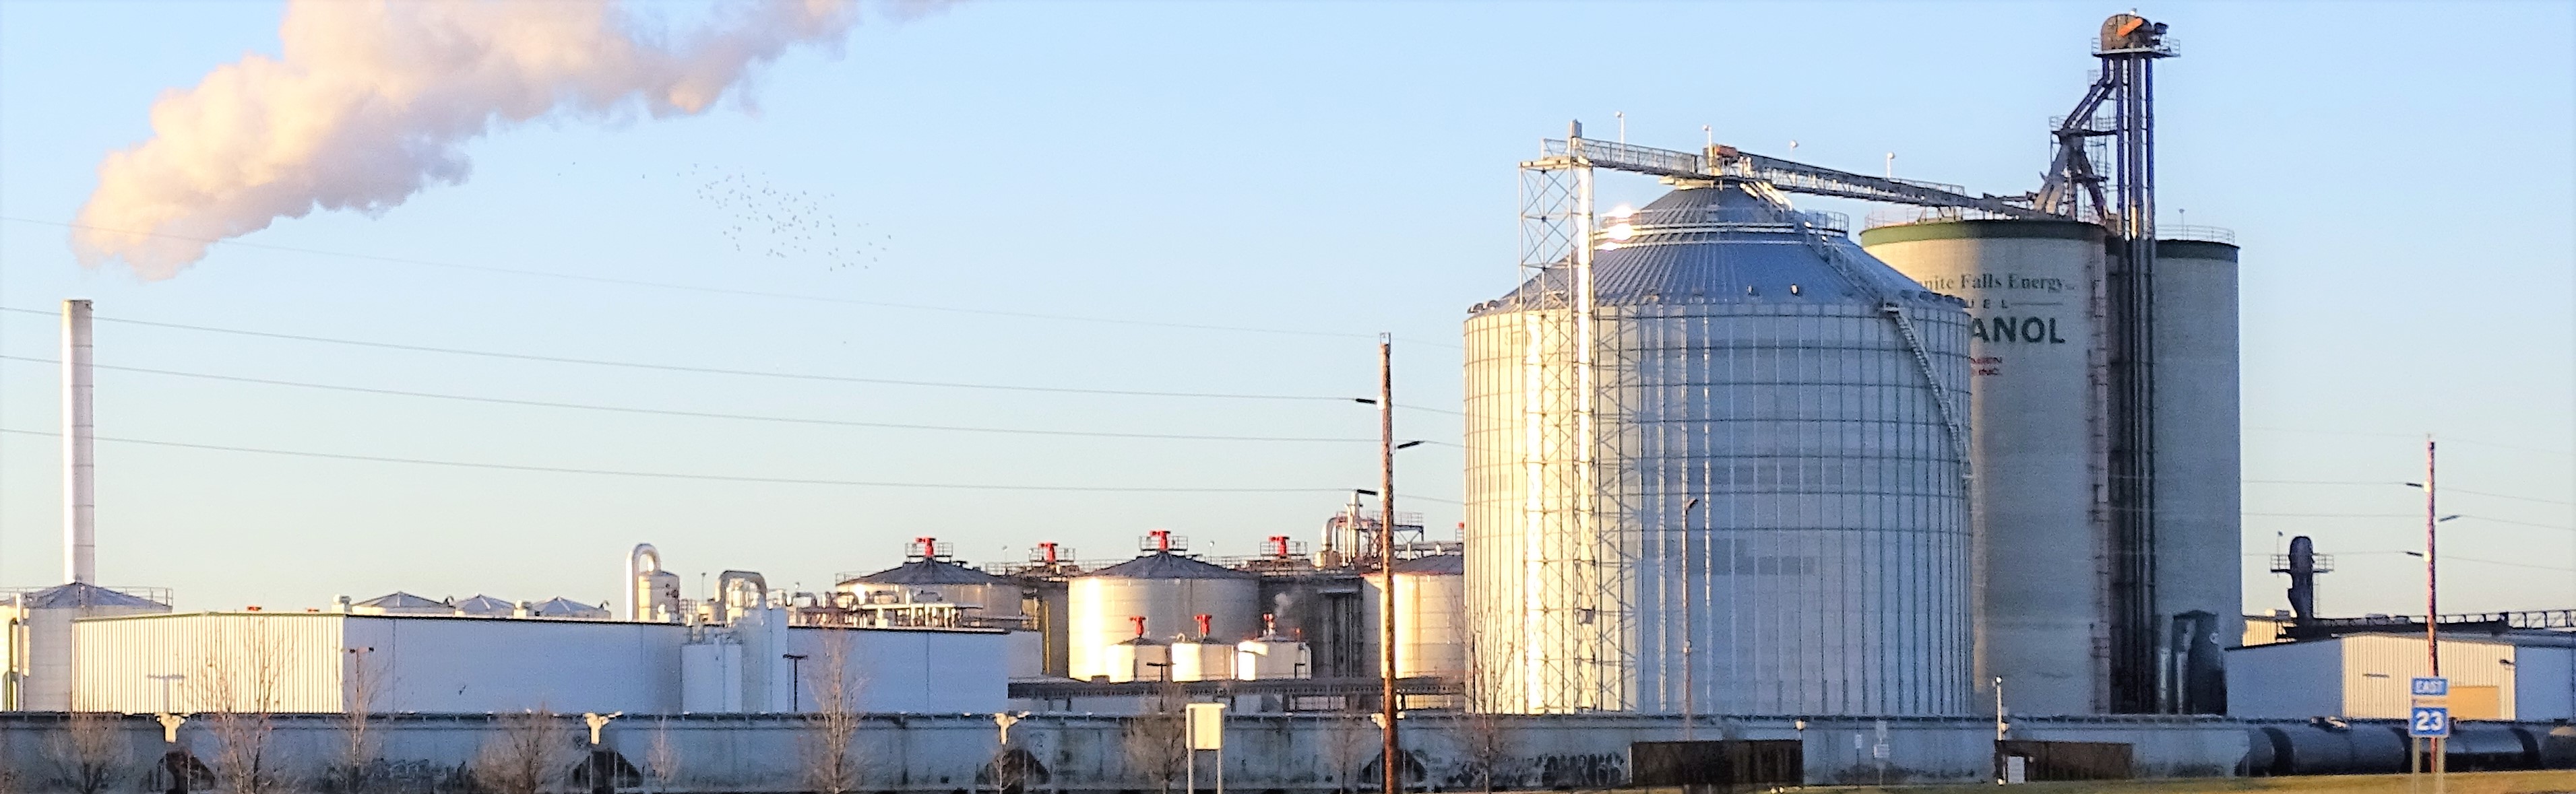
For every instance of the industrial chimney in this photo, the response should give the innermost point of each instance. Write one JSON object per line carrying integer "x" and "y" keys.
{"x": 80, "y": 463}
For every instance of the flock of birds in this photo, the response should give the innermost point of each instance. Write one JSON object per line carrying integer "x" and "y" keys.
{"x": 769, "y": 221}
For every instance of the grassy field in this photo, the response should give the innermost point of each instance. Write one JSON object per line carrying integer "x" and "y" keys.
{"x": 2555, "y": 782}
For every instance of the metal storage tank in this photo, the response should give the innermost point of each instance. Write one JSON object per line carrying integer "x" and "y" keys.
{"x": 2035, "y": 337}
{"x": 1430, "y": 616}
{"x": 1167, "y": 590}
{"x": 994, "y": 597}
{"x": 1750, "y": 357}
{"x": 40, "y": 640}
{"x": 2199, "y": 462}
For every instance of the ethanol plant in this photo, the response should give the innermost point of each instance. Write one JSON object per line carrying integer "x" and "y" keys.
{"x": 1721, "y": 459}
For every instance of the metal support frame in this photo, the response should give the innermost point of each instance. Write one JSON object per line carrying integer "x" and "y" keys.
{"x": 2127, "y": 85}
{"x": 1574, "y": 612}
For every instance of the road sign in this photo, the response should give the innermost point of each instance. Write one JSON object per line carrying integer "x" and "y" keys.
{"x": 2431, "y": 687}
{"x": 1207, "y": 726}
{"x": 2429, "y": 722}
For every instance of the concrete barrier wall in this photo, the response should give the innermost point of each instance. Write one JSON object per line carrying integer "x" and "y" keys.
{"x": 958, "y": 754}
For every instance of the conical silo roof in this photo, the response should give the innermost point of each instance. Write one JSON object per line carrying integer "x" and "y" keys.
{"x": 1166, "y": 565}
{"x": 1720, "y": 244}
{"x": 918, "y": 572}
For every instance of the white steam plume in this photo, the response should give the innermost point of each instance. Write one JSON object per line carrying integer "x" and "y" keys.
{"x": 373, "y": 100}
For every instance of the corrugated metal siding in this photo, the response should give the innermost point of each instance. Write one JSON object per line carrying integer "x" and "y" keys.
{"x": 1827, "y": 569}
{"x": 224, "y": 662}
{"x": 447, "y": 664}
{"x": 2291, "y": 680}
{"x": 2376, "y": 669}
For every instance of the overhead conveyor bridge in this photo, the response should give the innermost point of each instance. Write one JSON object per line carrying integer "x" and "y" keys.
{"x": 1726, "y": 161}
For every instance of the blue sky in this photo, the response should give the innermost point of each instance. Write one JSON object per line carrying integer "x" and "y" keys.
{"x": 1067, "y": 183}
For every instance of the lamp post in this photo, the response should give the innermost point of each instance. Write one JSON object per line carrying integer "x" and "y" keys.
{"x": 1690, "y": 632}
{"x": 795, "y": 680}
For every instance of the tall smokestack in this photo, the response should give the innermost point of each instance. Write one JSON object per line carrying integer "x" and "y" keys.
{"x": 80, "y": 463}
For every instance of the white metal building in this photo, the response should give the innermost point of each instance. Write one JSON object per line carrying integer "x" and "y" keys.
{"x": 331, "y": 662}
{"x": 2364, "y": 676}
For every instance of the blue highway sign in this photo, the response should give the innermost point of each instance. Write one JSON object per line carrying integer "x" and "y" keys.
{"x": 2429, "y": 722}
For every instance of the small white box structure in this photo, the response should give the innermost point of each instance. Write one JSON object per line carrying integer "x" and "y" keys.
{"x": 1272, "y": 658}
{"x": 1202, "y": 661}
{"x": 2364, "y": 676}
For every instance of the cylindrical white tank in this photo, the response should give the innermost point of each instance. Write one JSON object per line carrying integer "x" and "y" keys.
{"x": 2035, "y": 338}
{"x": 2199, "y": 501}
{"x": 47, "y": 645}
{"x": 1169, "y": 591}
{"x": 1196, "y": 660}
{"x": 1133, "y": 659}
{"x": 1752, "y": 358}
{"x": 1272, "y": 658}
{"x": 937, "y": 580}
{"x": 1430, "y": 617}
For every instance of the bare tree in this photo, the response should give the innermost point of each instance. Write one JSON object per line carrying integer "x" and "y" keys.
{"x": 1349, "y": 743}
{"x": 527, "y": 752}
{"x": 662, "y": 757}
{"x": 1154, "y": 742}
{"x": 238, "y": 695}
{"x": 830, "y": 752}
{"x": 358, "y": 705}
{"x": 90, "y": 752}
{"x": 8, "y": 769}
{"x": 1484, "y": 734}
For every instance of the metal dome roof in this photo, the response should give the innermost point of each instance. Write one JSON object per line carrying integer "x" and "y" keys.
{"x": 928, "y": 572}
{"x": 1166, "y": 565}
{"x": 1725, "y": 244}
{"x": 82, "y": 595}
{"x": 1435, "y": 565}
{"x": 486, "y": 606}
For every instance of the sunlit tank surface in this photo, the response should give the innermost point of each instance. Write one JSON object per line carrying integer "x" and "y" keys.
{"x": 2036, "y": 412}
{"x": 1430, "y": 616}
{"x": 1169, "y": 591}
{"x": 1750, "y": 357}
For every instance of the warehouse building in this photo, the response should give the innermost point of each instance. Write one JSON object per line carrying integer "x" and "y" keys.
{"x": 326, "y": 662}
{"x": 2514, "y": 676}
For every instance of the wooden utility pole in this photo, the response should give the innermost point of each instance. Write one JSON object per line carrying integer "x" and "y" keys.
{"x": 1392, "y": 753}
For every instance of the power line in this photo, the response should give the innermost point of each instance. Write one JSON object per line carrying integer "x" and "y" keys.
{"x": 694, "y": 414}
{"x": 629, "y": 282}
{"x": 2447, "y": 439}
{"x": 687, "y": 476}
{"x": 2559, "y": 527}
{"x": 2449, "y": 491}
{"x": 2445, "y": 491}
{"x": 712, "y": 370}
{"x": 2451, "y": 557}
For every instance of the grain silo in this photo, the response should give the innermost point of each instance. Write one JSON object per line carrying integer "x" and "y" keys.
{"x": 1738, "y": 489}
{"x": 2199, "y": 466}
{"x": 2051, "y": 579}
{"x": 2035, "y": 404}
{"x": 1169, "y": 591}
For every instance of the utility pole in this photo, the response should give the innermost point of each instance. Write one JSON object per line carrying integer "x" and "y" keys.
{"x": 1394, "y": 758}
{"x": 2432, "y": 598}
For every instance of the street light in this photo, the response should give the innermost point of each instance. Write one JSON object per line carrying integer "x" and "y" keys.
{"x": 1690, "y": 631}
{"x": 795, "y": 680}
